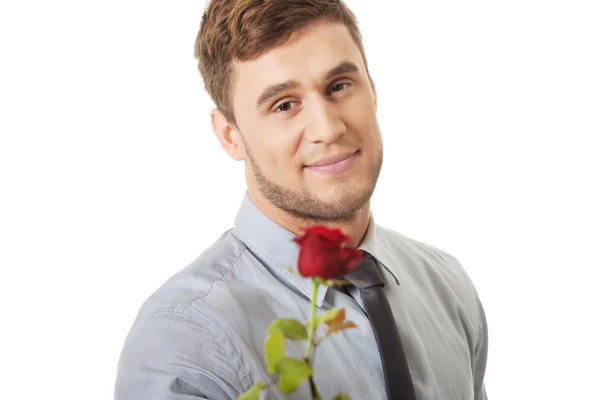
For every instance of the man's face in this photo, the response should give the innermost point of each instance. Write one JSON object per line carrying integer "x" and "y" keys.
{"x": 300, "y": 104}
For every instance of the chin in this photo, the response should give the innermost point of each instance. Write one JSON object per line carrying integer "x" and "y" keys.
{"x": 345, "y": 193}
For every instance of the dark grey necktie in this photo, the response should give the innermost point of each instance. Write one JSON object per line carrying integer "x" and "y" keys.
{"x": 367, "y": 277}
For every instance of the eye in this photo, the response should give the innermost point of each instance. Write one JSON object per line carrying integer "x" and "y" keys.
{"x": 338, "y": 87}
{"x": 284, "y": 107}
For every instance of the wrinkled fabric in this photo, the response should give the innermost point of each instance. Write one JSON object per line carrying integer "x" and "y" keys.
{"x": 201, "y": 335}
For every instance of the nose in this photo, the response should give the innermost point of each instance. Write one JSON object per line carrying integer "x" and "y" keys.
{"x": 326, "y": 123}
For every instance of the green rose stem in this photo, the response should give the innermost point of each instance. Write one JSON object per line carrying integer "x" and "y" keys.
{"x": 314, "y": 393}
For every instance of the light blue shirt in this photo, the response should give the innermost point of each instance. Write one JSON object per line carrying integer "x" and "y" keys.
{"x": 201, "y": 335}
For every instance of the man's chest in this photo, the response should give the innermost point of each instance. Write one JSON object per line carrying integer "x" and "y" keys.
{"x": 349, "y": 361}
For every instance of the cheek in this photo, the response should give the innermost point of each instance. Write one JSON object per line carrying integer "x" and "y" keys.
{"x": 361, "y": 107}
{"x": 361, "y": 117}
{"x": 278, "y": 154}
{"x": 286, "y": 144}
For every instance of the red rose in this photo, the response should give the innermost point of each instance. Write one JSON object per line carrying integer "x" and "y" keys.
{"x": 323, "y": 253}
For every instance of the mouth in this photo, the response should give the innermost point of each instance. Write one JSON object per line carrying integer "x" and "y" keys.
{"x": 334, "y": 165}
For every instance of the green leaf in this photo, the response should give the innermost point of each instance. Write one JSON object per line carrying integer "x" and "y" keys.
{"x": 287, "y": 384}
{"x": 274, "y": 349}
{"x": 292, "y": 372}
{"x": 291, "y": 328}
{"x": 253, "y": 393}
{"x": 336, "y": 314}
{"x": 341, "y": 396}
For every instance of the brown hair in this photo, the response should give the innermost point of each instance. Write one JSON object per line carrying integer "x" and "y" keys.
{"x": 242, "y": 30}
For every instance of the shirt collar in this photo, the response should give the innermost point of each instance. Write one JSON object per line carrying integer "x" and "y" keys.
{"x": 374, "y": 243}
{"x": 274, "y": 246}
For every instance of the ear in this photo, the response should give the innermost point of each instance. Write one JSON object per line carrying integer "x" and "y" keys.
{"x": 228, "y": 135}
{"x": 374, "y": 90}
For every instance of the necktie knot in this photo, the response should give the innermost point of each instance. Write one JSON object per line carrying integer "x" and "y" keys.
{"x": 366, "y": 274}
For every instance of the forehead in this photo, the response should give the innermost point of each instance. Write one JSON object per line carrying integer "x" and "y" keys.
{"x": 305, "y": 57}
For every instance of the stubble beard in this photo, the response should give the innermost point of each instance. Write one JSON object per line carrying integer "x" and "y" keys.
{"x": 307, "y": 207}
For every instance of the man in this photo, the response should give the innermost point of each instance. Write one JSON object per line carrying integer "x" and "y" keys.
{"x": 295, "y": 101}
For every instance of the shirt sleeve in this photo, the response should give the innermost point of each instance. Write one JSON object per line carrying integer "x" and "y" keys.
{"x": 170, "y": 356}
{"x": 480, "y": 354}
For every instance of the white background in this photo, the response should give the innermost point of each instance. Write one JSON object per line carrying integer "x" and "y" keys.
{"x": 111, "y": 179}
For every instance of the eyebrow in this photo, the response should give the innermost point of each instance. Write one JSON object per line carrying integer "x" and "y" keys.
{"x": 273, "y": 90}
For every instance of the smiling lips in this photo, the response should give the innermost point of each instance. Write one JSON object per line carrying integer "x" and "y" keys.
{"x": 335, "y": 164}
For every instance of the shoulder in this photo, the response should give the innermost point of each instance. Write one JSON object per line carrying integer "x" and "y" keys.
{"x": 397, "y": 244}
{"x": 194, "y": 298}
{"x": 220, "y": 291}
{"x": 213, "y": 266}
{"x": 175, "y": 333}
{"x": 435, "y": 269}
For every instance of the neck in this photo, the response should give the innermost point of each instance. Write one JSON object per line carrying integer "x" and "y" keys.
{"x": 355, "y": 226}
